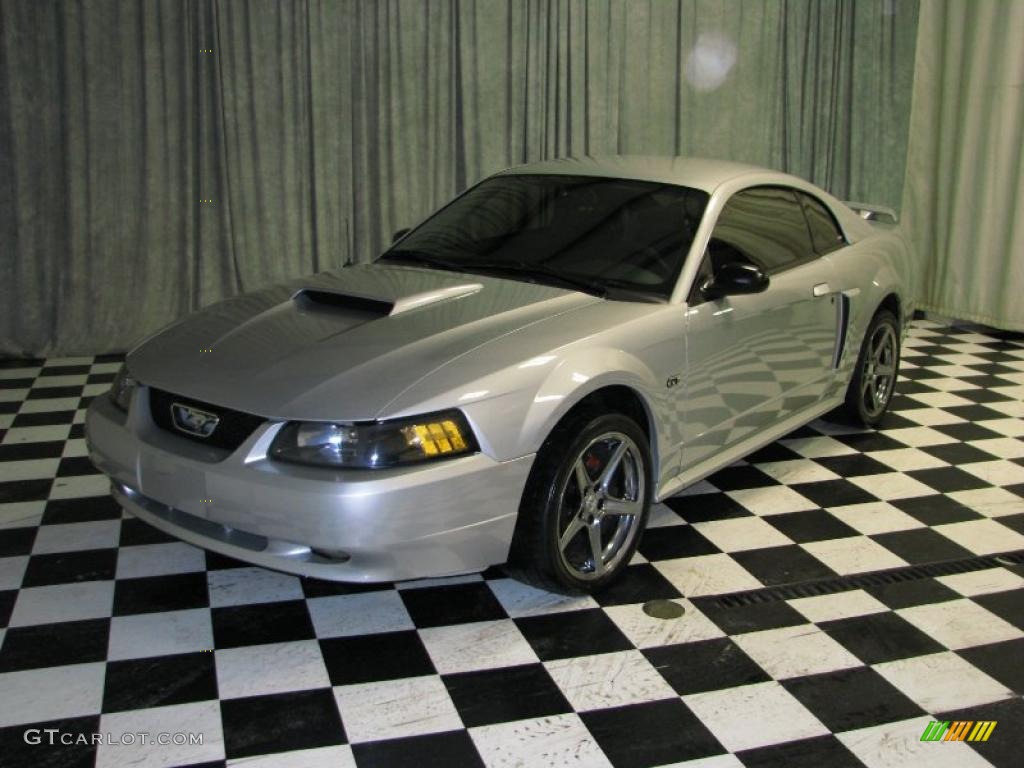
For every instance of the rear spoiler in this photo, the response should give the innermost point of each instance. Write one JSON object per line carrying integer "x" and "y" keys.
{"x": 878, "y": 213}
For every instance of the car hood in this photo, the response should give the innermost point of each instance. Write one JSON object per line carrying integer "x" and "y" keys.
{"x": 340, "y": 345}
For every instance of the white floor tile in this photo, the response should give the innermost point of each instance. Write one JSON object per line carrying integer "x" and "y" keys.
{"x": 75, "y": 537}
{"x": 772, "y": 500}
{"x": 854, "y": 555}
{"x": 982, "y": 582}
{"x": 359, "y": 614}
{"x": 999, "y": 472}
{"x": 396, "y": 708}
{"x": 875, "y": 517}
{"x": 990, "y": 502}
{"x": 707, "y": 575}
{"x": 907, "y": 459}
{"x": 892, "y": 485}
{"x": 80, "y": 486}
{"x": 899, "y": 745}
{"x": 51, "y": 693}
{"x": 942, "y": 682}
{"x": 45, "y": 434}
{"x": 960, "y": 624}
{"x": 982, "y": 537}
{"x": 21, "y": 514}
{"x": 270, "y": 668}
{"x": 797, "y": 471}
{"x": 160, "y": 634}
{"x": 521, "y": 600}
{"x": 321, "y": 757}
{"x": 12, "y": 570}
{"x": 478, "y": 645}
{"x": 754, "y": 716}
{"x": 742, "y": 533}
{"x": 243, "y": 586}
{"x": 559, "y": 740}
{"x": 648, "y": 632}
{"x": 159, "y": 560}
{"x": 197, "y": 718}
{"x": 29, "y": 469}
{"x": 63, "y": 602}
{"x": 841, "y": 605}
{"x": 817, "y": 447}
{"x": 608, "y": 680}
{"x": 795, "y": 651}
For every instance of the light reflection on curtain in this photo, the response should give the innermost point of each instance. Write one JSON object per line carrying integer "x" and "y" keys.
{"x": 318, "y": 127}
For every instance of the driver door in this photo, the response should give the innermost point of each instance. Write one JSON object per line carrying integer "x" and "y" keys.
{"x": 754, "y": 360}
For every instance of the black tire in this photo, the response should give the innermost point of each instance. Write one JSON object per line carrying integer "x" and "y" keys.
{"x": 878, "y": 366}
{"x": 554, "y": 500}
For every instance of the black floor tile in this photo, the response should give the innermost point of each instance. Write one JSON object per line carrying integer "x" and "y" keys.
{"x": 260, "y": 623}
{"x": 851, "y": 698}
{"x": 805, "y": 753}
{"x": 880, "y": 637}
{"x": 740, "y": 478}
{"x": 76, "y": 466}
{"x": 707, "y": 665}
{"x": 573, "y": 633}
{"x": 672, "y": 541}
{"x": 82, "y": 510}
{"x": 30, "y": 451}
{"x": 1013, "y": 522}
{"x": 321, "y": 588}
{"x": 161, "y": 593}
{"x": 813, "y": 525}
{"x": 24, "y": 490}
{"x": 7, "y": 598}
{"x": 135, "y": 532}
{"x": 280, "y": 722}
{"x": 452, "y": 604}
{"x": 783, "y": 565}
{"x": 735, "y": 620}
{"x": 1008, "y": 605}
{"x": 1002, "y": 661}
{"x": 159, "y": 681}
{"x": 18, "y": 746}
{"x": 17, "y": 541}
{"x": 948, "y": 479}
{"x": 450, "y": 749}
{"x": 967, "y": 431}
{"x": 639, "y": 583}
{"x": 654, "y": 733}
{"x": 70, "y": 567}
{"x": 853, "y": 465}
{"x": 936, "y": 510}
{"x": 922, "y": 545}
{"x": 49, "y": 645}
{"x": 1003, "y": 745}
{"x": 958, "y": 453}
{"x": 905, "y": 594}
{"x": 505, "y": 694}
{"x": 43, "y": 419}
{"x": 369, "y": 658}
{"x": 704, "y": 507}
{"x": 833, "y": 493}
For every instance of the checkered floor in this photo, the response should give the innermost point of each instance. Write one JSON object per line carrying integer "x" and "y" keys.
{"x": 109, "y": 627}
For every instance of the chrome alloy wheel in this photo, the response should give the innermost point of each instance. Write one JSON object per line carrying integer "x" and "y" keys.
{"x": 601, "y": 501}
{"x": 878, "y": 375}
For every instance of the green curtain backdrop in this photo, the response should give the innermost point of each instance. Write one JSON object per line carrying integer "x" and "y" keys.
{"x": 315, "y": 128}
{"x": 964, "y": 196}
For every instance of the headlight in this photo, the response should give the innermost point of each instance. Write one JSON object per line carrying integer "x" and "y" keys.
{"x": 379, "y": 444}
{"x": 122, "y": 388}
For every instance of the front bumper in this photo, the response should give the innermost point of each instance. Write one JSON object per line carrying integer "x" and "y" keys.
{"x": 437, "y": 519}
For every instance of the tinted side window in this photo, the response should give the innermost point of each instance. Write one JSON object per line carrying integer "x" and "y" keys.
{"x": 825, "y": 233}
{"x": 764, "y": 226}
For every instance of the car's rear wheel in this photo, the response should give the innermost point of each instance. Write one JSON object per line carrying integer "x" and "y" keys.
{"x": 878, "y": 365}
{"x": 585, "y": 505}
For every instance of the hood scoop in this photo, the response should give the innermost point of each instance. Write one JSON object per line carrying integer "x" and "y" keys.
{"x": 315, "y": 300}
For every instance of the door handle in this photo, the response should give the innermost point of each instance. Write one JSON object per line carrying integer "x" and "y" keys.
{"x": 821, "y": 289}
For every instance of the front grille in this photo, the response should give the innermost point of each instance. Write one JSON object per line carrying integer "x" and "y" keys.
{"x": 231, "y": 431}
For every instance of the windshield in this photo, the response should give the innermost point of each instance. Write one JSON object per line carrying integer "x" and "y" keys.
{"x": 585, "y": 232}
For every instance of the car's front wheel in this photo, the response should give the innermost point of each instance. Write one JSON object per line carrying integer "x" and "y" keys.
{"x": 585, "y": 504}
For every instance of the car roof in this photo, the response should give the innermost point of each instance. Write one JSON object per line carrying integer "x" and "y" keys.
{"x": 696, "y": 172}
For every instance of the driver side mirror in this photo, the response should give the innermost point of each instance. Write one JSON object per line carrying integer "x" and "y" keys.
{"x": 734, "y": 279}
{"x": 399, "y": 234}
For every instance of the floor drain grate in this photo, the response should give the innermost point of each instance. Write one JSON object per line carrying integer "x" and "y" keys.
{"x": 867, "y": 580}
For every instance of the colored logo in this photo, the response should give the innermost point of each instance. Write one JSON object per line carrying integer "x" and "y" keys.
{"x": 193, "y": 420}
{"x": 958, "y": 730}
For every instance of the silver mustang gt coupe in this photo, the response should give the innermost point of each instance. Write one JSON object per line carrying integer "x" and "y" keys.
{"x": 517, "y": 379}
